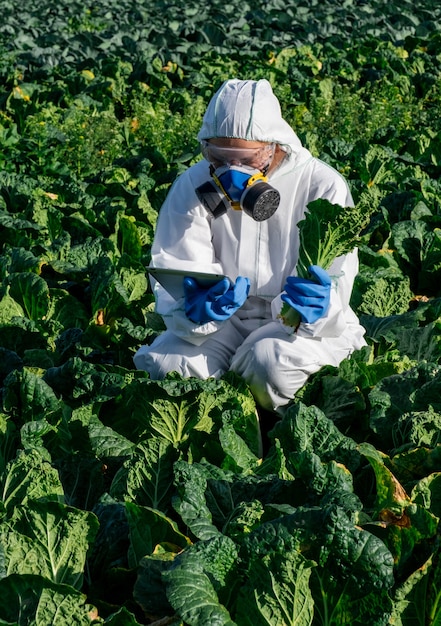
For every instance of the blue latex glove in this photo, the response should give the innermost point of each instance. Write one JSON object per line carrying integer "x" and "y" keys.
{"x": 309, "y": 297}
{"x": 215, "y": 303}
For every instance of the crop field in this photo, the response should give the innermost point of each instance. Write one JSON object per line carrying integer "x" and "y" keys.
{"x": 127, "y": 501}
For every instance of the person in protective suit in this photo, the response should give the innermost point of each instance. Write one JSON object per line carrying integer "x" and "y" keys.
{"x": 235, "y": 213}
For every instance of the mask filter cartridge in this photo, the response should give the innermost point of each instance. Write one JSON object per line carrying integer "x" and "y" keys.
{"x": 239, "y": 187}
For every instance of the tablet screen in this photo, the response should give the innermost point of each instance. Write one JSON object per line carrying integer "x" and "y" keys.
{"x": 172, "y": 280}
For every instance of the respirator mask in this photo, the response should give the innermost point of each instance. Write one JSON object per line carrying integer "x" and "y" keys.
{"x": 239, "y": 181}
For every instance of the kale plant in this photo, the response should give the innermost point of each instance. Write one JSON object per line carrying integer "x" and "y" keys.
{"x": 326, "y": 232}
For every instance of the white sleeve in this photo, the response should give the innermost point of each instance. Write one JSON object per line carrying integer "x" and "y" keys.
{"x": 183, "y": 232}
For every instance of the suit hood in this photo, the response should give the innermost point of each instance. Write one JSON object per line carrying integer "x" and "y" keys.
{"x": 247, "y": 109}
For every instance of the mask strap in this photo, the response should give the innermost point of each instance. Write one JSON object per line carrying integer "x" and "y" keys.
{"x": 235, "y": 205}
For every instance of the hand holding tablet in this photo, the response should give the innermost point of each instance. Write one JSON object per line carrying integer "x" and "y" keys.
{"x": 173, "y": 280}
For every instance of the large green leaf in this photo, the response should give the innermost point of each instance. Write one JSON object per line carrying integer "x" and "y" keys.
{"x": 390, "y": 494}
{"x": 187, "y": 412}
{"x": 31, "y": 292}
{"x": 317, "y": 477}
{"x": 147, "y": 529}
{"x": 158, "y": 409}
{"x": 147, "y": 477}
{"x": 28, "y": 397}
{"x": 414, "y": 390}
{"x": 238, "y": 455}
{"x": 378, "y": 167}
{"x": 9, "y": 308}
{"x": 417, "y": 600}
{"x": 414, "y": 339}
{"x": 190, "y": 502}
{"x": 48, "y": 539}
{"x": 336, "y": 603}
{"x": 199, "y": 577}
{"x": 308, "y": 429}
{"x": 381, "y": 293}
{"x": 338, "y": 398}
{"x": 414, "y": 464}
{"x": 102, "y": 441}
{"x": 277, "y": 591}
{"x": 67, "y": 310}
{"x": 330, "y": 536}
{"x": 109, "y": 549}
{"x": 129, "y": 239}
{"x": 419, "y": 244}
{"x": 29, "y": 476}
{"x": 418, "y": 428}
{"x": 134, "y": 281}
{"x": 79, "y": 382}
{"x": 328, "y": 231}
{"x": 356, "y": 555}
{"x": 31, "y": 599}
{"x": 427, "y": 493}
{"x": 192, "y": 595}
{"x": 150, "y": 588}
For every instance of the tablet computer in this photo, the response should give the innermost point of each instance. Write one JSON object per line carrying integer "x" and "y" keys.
{"x": 172, "y": 280}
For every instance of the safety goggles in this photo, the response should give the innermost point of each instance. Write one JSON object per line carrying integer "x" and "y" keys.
{"x": 257, "y": 158}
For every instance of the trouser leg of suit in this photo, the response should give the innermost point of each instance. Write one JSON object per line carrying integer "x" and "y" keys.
{"x": 276, "y": 365}
{"x": 169, "y": 353}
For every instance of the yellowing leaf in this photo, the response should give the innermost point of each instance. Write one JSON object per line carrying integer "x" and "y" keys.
{"x": 19, "y": 93}
{"x": 87, "y": 74}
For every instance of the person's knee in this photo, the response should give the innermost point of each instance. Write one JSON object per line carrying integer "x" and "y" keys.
{"x": 273, "y": 373}
{"x": 151, "y": 362}
{"x": 262, "y": 357}
{"x": 170, "y": 354}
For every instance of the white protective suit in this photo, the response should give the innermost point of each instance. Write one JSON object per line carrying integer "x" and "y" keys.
{"x": 254, "y": 343}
